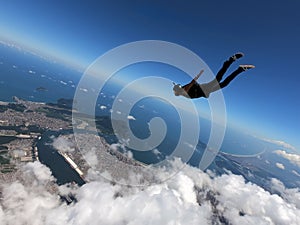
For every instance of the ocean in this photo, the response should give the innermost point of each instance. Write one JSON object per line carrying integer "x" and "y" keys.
{"x": 33, "y": 78}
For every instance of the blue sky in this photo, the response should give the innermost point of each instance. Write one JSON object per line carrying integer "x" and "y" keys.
{"x": 264, "y": 100}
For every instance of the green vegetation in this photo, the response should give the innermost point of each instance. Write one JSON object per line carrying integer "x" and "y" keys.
{"x": 5, "y": 165}
{"x": 4, "y": 160}
{"x": 17, "y": 107}
{"x": 7, "y": 168}
{"x": 13, "y": 106}
{"x": 3, "y": 108}
{"x": 63, "y": 103}
{"x": 41, "y": 89}
{"x": 3, "y": 148}
{"x": 104, "y": 125}
{"x": 3, "y": 152}
{"x": 54, "y": 113}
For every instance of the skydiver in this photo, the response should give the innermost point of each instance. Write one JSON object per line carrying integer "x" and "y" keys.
{"x": 196, "y": 90}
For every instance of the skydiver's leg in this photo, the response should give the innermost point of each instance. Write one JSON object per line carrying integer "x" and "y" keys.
{"x": 231, "y": 77}
{"x": 214, "y": 85}
{"x": 226, "y": 65}
{"x": 223, "y": 70}
{"x": 241, "y": 69}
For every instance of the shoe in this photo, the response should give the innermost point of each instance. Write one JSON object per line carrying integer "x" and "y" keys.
{"x": 237, "y": 56}
{"x": 246, "y": 67}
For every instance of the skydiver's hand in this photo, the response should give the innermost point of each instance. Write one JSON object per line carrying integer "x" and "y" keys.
{"x": 196, "y": 78}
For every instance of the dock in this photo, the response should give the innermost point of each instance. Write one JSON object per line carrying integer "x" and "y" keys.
{"x": 72, "y": 163}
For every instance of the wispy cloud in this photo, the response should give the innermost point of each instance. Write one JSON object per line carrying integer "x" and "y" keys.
{"x": 296, "y": 173}
{"x": 83, "y": 89}
{"x": 280, "y": 166}
{"x": 131, "y": 117}
{"x": 63, "y": 145}
{"x": 293, "y": 158}
{"x": 103, "y": 107}
{"x": 280, "y": 143}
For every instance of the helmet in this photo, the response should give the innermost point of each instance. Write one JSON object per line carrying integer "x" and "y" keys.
{"x": 177, "y": 89}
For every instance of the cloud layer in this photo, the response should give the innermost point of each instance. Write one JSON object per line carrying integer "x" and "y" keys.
{"x": 293, "y": 158}
{"x": 280, "y": 143}
{"x": 189, "y": 197}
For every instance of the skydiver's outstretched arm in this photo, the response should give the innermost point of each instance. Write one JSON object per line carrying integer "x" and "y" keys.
{"x": 198, "y": 75}
{"x": 188, "y": 86}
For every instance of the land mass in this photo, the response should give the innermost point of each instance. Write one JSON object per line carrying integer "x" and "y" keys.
{"x": 23, "y": 123}
{"x": 41, "y": 89}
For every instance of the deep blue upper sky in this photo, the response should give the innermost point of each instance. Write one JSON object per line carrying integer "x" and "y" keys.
{"x": 264, "y": 100}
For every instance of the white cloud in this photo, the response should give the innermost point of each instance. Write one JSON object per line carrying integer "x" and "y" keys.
{"x": 63, "y": 145}
{"x": 31, "y": 72}
{"x": 189, "y": 197}
{"x": 156, "y": 152}
{"x": 62, "y": 82}
{"x": 189, "y": 145}
{"x": 91, "y": 157}
{"x": 115, "y": 146}
{"x": 279, "y": 143}
{"x": 296, "y": 173}
{"x": 129, "y": 154}
{"x": 258, "y": 205}
{"x": 38, "y": 172}
{"x": 155, "y": 205}
{"x": 1, "y": 211}
{"x": 103, "y": 107}
{"x": 293, "y": 158}
{"x": 83, "y": 89}
{"x": 131, "y": 117}
{"x": 280, "y": 166}
{"x": 27, "y": 201}
{"x": 291, "y": 195}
